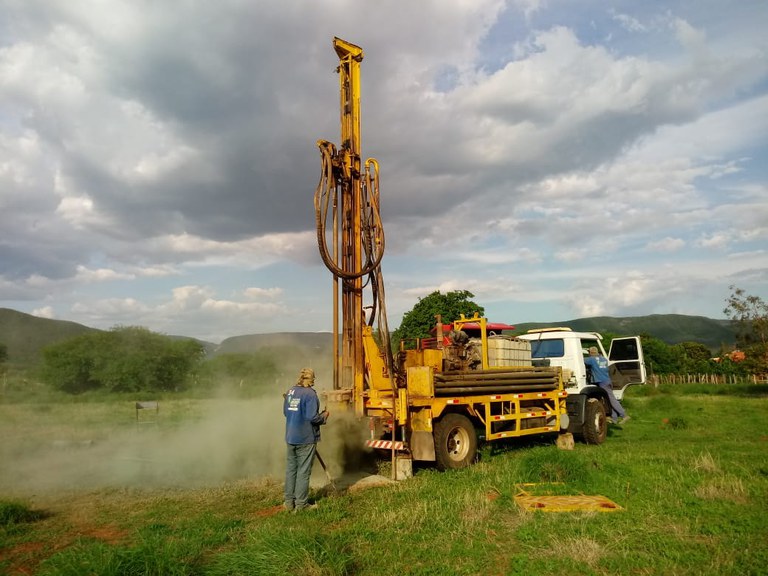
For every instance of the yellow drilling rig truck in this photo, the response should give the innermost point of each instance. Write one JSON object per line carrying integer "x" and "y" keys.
{"x": 435, "y": 400}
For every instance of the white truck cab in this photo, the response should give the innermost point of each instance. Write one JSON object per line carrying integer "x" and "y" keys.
{"x": 587, "y": 403}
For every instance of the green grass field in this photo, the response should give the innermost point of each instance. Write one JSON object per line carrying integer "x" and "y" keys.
{"x": 84, "y": 489}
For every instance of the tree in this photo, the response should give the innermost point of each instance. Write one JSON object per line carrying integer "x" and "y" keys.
{"x": 694, "y": 357}
{"x": 418, "y": 322}
{"x": 749, "y": 315}
{"x": 125, "y": 359}
{"x": 68, "y": 365}
{"x": 660, "y": 357}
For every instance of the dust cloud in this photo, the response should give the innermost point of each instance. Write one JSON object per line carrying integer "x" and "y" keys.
{"x": 193, "y": 443}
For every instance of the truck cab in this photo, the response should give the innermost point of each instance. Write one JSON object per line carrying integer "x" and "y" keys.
{"x": 587, "y": 403}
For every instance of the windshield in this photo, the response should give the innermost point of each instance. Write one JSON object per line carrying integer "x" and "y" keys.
{"x": 548, "y": 348}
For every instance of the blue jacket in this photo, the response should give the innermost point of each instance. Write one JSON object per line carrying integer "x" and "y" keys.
{"x": 302, "y": 418}
{"x": 599, "y": 367}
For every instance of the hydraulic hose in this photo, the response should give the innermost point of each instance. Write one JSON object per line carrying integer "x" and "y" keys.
{"x": 327, "y": 200}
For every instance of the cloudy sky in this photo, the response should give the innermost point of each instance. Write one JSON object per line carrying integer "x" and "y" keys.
{"x": 558, "y": 159}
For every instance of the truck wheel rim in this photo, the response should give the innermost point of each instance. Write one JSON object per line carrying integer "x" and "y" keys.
{"x": 598, "y": 423}
{"x": 458, "y": 444}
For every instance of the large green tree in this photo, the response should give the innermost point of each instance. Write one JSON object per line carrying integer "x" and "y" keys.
{"x": 685, "y": 358}
{"x": 124, "y": 359}
{"x": 749, "y": 315}
{"x": 659, "y": 356}
{"x": 418, "y": 322}
{"x": 694, "y": 357}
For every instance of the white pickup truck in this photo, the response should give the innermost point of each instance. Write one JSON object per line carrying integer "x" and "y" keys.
{"x": 587, "y": 403}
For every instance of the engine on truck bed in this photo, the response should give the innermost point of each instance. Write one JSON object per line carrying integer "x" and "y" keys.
{"x": 463, "y": 352}
{"x": 462, "y": 347}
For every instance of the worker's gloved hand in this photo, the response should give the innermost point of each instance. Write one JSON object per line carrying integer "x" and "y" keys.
{"x": 326, "y": 414}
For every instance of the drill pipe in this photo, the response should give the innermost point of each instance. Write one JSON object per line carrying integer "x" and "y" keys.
{"x": 474, "y": 391}
{"x": 515, "y": 382}
{"x": 492, "y": 375}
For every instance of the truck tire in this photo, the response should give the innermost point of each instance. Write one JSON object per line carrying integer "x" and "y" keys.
{"x": 455, "y": 442}
{"x": 595, "y": 427}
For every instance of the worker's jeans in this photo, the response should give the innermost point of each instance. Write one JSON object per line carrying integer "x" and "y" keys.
{"x": 298, "y": 469}
{"x": 617, "y": 411}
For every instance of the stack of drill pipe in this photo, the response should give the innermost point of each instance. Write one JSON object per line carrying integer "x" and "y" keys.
{"x": 494, "y": 382}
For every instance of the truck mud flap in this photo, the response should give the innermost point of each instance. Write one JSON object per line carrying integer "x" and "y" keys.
{"x": 575, "y": 405}
{"x": 423, "y": 446}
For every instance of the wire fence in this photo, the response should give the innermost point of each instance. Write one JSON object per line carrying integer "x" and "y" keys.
{"x": 658, "y": 379}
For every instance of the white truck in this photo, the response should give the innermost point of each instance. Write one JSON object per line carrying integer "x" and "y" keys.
{"x": 587, "y": 404}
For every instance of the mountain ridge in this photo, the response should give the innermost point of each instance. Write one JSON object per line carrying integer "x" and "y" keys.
{"x": 25, "y": 335}
{"x": 670, "y": 328}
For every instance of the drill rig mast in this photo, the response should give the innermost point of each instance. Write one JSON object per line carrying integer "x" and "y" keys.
{"x": 348, "y": 219}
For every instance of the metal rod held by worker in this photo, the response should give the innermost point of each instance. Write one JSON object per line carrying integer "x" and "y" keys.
{"x": 325, "y": 469}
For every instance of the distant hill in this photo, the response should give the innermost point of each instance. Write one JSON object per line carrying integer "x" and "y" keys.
{"x": 291, "y": 351}
{"x": 669, "y": 328}
{"x": 319, "y": 342}
{"x": 25, "y": 335}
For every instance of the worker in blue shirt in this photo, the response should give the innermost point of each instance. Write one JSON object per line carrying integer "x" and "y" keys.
{"x": 598, "y": 367}
{"x": 303, "y": 419}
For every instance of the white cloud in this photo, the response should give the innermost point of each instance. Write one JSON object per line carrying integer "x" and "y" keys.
{"x": 156, "y": 271}
{"x": 190, "y": 297}
{"x": 628, "y": 22}
{"x": 44, "y": 312}
{"x": 76, "y": 209}
{"x": 666, "y": 244}
{"x": 268, "y": 293}
{"x": 718, "y": 241}
{"x": 248, "y": 252}
{"x": 750, "y": 255}
{"x": 88, "y": 275}
{"x": 145, "y": 145}
{"x": 588, "y": 306}
{"x": 118, "y": 308}
{"x": 571, "y": 255}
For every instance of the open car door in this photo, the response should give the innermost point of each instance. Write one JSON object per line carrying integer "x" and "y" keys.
{"x": 626, "y": 363}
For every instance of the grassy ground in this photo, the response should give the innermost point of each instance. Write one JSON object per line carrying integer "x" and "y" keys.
{"x": 690, "y": 471}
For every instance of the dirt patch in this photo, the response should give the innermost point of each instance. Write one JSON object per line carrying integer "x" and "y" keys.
{"x": 269, "y": 512}
{"x": 22, "y": 558}
{"x": 108, "y": 534}
{"x": 25, "y": 558}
